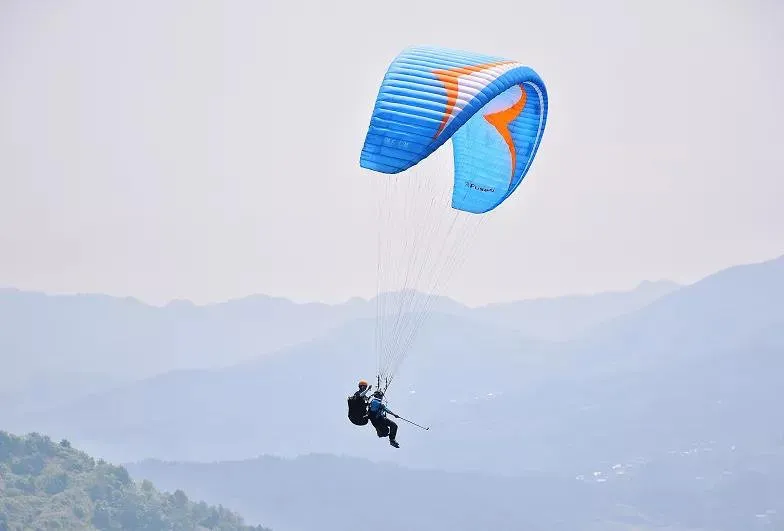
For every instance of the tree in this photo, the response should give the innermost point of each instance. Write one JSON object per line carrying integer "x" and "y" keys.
{"x": 47, "y": 486}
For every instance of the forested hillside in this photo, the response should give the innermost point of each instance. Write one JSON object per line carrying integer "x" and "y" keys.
{"x": 45, "y": 485}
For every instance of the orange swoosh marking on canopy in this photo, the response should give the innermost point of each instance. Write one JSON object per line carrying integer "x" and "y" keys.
{"x": 501, "y": 120}
{"x": 449, "y": 78}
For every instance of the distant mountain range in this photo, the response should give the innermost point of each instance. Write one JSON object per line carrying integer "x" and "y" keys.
{"x": 701, "y": 488}
{"x": 698, "y": 364}
{"x": 90, "y": 343}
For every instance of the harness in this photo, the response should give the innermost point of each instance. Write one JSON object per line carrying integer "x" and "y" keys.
{"x": 357, "y": 410}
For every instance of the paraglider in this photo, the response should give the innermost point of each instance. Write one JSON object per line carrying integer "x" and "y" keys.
{"x": 494, "y": 110}
{"x": 377, "y": 412}
{"x": 358, "y": 405}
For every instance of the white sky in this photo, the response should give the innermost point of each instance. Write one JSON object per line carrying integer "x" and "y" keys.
{"x": 209, "y": 150}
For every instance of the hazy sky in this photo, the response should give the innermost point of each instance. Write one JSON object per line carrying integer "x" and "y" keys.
{"x": 209, "y": 150}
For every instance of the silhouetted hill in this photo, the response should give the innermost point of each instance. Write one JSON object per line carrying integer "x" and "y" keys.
{"x": 710, "y": 489}
{"x": 701, "y": 364}
{"x": 128, "y": 339}
{"x": 725, "y": 310}
{"x": 730, "y": 398}
{"x": 564, "y": 317}
{"x": 525, "y": 404}
{"x": 44, "y": 485}
{"x": 89, "y": 343}
{"x": 330, "y": 493}
{"x": 289, "y": 402}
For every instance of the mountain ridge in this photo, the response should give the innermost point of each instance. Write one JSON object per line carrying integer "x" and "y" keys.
{"x": 251, "y": 297}
{"x": 121, "y": 339}
{"x": 468, "y": 380}
{"x": 698, "y": 488}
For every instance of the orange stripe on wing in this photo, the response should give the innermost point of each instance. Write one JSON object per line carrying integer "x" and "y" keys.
{"x": 449, "y": 77}
{"x": 501, "y": 120}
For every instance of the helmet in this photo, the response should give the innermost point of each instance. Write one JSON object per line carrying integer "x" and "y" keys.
{"x": 363, "y": 383}
{"x": 379, "y": 394}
